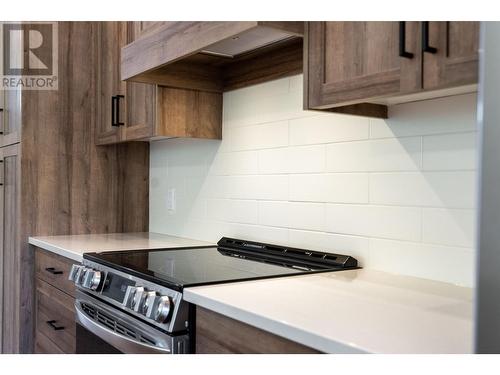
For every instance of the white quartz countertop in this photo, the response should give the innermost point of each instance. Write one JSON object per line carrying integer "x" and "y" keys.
{"x": 73, "y": 246}
{"x": 351, "y": 311}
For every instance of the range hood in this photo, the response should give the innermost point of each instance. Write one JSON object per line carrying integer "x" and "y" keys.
{"x": 182, "y": 45}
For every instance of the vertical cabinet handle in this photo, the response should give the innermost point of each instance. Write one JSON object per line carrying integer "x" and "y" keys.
{"x": 52, "y": 323}
{"x": 402, "y": 41}
{"x": 425, "y": 39}
{"x": 115, "y": 110}
{"x": 118, "y": 122}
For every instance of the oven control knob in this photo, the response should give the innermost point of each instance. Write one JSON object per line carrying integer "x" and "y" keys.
{"x": 148, "y": 304}
{"x": 95, "y": 279}
{"x": 80, "y": 275}
{"x": 162, "y": 310}
{"x": 138, "y": 295}
{"x": 75, "y": 270}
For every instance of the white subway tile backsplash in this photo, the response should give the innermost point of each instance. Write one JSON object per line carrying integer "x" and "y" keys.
{"x": 275, "y": 214}
{"x": 449, "y": 227}
{"x": 402, "y": 223}
{"x": 401, "y": 154}
{"x": 443, "y": 263}
{"x": 335, "y": 188}
{"x": 256, "y": 137}
{"x": 328, "y": 129}
{"x": 270, "y": 187}
{"x": 306, "y": 159}
{"x": 449, "y": 151}
{"x": 437, "y": 116}
{"x": 397, "y": 194}
{"x": 427, "y": 189}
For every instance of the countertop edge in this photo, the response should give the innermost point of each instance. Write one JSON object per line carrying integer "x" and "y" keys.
{"x": 56, "y": 249}
{"x": 278, "y": 328}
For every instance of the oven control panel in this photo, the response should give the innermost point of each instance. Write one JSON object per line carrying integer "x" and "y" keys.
{"x": 153, "y": 303}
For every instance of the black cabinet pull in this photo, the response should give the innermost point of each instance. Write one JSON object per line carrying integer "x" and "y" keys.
{"x": 118, "y": 97}
{"x": 425, "y": 39}
{"x": 113, "y": 111}
{"x": 402, "y": 41}
{"x": 52, "y": 323}
{"x": 53, "y": 271}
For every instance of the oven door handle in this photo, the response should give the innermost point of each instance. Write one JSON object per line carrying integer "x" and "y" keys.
{"x": 120, "y": 342}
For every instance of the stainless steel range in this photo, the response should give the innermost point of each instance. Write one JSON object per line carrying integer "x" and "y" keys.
{"x": 131, "y": 301}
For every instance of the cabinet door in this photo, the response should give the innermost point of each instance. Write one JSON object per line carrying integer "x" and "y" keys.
{"x": 140, "y": 98}
{"x": 452, "y": 59}
{"x": 111, "y": 36}
{"x": 357, "y": 62}
{"x": 10, "y": 116}
{"x": 9, "y": 247}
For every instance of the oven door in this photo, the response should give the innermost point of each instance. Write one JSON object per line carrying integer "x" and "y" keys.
{"x": 105, "y": 329}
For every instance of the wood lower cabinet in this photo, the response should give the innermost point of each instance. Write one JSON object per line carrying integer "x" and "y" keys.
{"x": 218, "y": 334}
{"x": 360, "y": 67}
{"x": 132, "y": 111}
{"x": 10, "y": 256}
{"x": 55, "y": 312}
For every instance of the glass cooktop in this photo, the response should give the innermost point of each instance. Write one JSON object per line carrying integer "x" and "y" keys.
{"x": 232, "y": 260}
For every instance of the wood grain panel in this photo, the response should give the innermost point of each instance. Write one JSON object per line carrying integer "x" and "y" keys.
{"x": 45, "y": 262}
{"x": 43, "y": 345}
{"x": 455, "y": 62}
{"x": 12, "y": 322}
{"x": 56, "y": 307}
{"x": 189, "y": 113}
{"x": 218, "y": 334}
{"x": 350, "y": 63}
{"x": 68, "y": 184}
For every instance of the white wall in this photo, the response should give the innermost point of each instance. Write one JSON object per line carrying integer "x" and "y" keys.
{"x": 397, "y": 194}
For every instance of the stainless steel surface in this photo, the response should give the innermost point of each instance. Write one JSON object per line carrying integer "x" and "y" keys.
{"x": 125, "y": 333}
{"x": 487, "y": 314}
{"x": 138, "y": 298}
{"x": 177, "y": 317}
{"x": 162, "y": 310}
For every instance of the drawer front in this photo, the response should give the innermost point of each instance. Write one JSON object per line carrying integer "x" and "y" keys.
{"x": 43, "y": 345}
{"x": 55, "y": 316}
{"x": 54, "y": 269}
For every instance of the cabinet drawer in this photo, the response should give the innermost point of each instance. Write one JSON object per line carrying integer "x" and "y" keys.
{"x": 54, "y": 269}
{"x": 43, "y": 345}
{"x": 55, "y": 316}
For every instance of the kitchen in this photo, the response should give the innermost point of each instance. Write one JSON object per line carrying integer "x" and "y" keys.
{"x": 228, "y": 187}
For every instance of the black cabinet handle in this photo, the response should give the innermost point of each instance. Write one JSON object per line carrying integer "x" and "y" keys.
{"x": 402, "y": 41}
{"x": 425, "y": 39}
{"x": 118, "y": 97}
{"x": 113, "y": 111}
{"x": 52, "y": 323}
{"x": 53, "y": 271}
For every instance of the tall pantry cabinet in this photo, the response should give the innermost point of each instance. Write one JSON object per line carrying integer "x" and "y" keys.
{"x": 54, "y": 180}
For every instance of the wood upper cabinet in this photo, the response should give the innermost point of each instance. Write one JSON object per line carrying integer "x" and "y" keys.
{"x": 360, "y": 67}
{"x": 125, "y": 110}
{"x": 349, "y": 62}
{"x": 452, "y": 59}
{"x": 132, "y": 111}
{"x": 110, "y": 89}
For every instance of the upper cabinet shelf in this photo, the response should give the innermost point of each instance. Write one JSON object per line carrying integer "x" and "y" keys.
{"x": 214, "y": 56}
{"x": 361, "y": 67}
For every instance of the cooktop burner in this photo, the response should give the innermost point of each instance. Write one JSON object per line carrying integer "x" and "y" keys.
{"x": 232, "y": 260}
